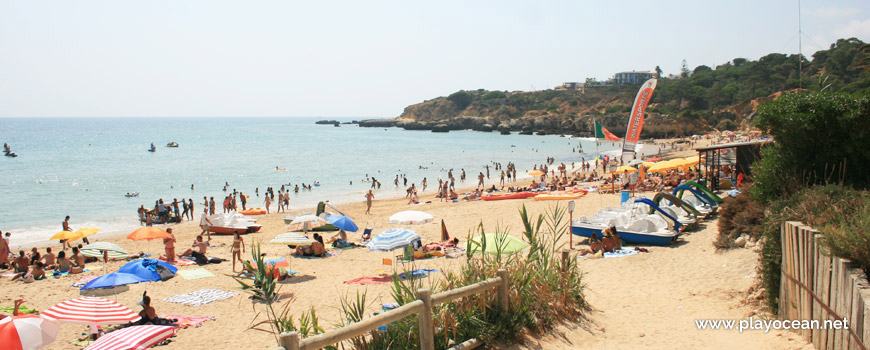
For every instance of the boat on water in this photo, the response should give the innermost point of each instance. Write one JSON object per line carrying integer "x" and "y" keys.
{"x": 172, "y": 144}
{"x": 228, "y": 223}
{"x": 131, "y": 195}
{"x": 633, "y": 223}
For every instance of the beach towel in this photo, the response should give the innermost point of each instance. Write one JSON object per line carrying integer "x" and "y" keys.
{"x": 329, "y": 253}
{"x": 276, "y": 261}
{"x": 418, "y": 273}
{"x": 21, "y": 309}
{"x": 193, "y": 274}
{"x": 187, "y": 321}
{"x": 56, "y": 273}
{"x": 616, "y": 254}
{"x": 83, "y": 281}
{"x": 178, "y": 261}
{"x": 201, "y": 297}
{"x": 370, "y": 280}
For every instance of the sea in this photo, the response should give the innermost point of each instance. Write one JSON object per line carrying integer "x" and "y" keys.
{"x": 83, "y": 167}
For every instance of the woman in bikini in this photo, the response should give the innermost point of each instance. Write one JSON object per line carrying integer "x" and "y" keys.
{"x": 238, "y": 248}
{"x": 594, "y": 245}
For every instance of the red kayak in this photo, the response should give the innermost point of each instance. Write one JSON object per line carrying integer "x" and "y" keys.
{"x": 509, "y": 195}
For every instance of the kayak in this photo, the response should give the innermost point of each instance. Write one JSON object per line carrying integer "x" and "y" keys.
{"x": 509, "y": 195}
{"x": 556, "y": 196}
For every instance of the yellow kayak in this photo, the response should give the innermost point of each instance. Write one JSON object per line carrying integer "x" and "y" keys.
{"x": 557, "y": 196}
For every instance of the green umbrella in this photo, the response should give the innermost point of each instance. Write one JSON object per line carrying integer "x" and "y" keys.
{"x": 498, "y": 242}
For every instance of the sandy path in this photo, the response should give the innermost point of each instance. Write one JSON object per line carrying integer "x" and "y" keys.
{"x": 651, "y": 300}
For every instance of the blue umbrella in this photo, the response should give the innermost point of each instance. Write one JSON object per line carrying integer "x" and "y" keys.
{"x": 392, "y": 239}
{"x": 113, "y": 279}
{"x": 342, "y": 222}
{"x": 146, "y": 269}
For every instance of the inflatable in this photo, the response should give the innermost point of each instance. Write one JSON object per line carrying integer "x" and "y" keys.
{"x": 557, "y": 196}
{"x": 508, "y": 195}
{"x": 253, "y": 211}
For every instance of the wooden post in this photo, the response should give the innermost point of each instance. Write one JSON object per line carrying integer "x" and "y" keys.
{"x": 503, "y": 298}
{"x": 289, "y": 340}
{"x": 565, "y": 260}
{"x": 427, "y": 330}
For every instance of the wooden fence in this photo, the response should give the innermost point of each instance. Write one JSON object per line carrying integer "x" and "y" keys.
{"x": 816, "y": 286}
{"x": 421, "y": 306}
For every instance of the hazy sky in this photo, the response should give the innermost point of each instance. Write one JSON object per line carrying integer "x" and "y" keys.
{"x": 367, "y": 58}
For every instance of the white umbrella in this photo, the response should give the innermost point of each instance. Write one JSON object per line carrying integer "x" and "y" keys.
{"x": 392, "y": 239}
{"x": 411, "y": 217}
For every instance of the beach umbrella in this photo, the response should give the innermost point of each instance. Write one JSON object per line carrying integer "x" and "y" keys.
{"x": 91, "y": 311}
{"x": 342, "y": 222}
{"x": 654, "y": 159}
{"x": 411, "y": 217}
{"x": 146, "y": 269}
{"x": 444, "y": 235}
{"x": 691, "y": 160}
{"x": 291, "y": 238}
{"x": 148, "y": 232}
{"x": 635, "y": 162}
{"x": 498, "y": 242}
{"x": 392, "y": 239}
{"x": 133, "y": 338}
{"x": 536, "y": 172}
{"x": 625, "y": 168}
{"x": 63, "y": 235}
{"x": 306, "y": 222}
{"x": 27, "y": 332}
{"x": 96, "y": 250}
{"x": 114, "y": 279}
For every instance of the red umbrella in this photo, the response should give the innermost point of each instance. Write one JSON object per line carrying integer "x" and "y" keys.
{"x": 90, "y": 311}
{"x": 27, "y": 332}
{"x": 133, "y": 338}
{"x": 148, "y": 232}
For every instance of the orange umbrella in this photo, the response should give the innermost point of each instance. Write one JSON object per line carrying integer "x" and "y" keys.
{"x": 148, "y": 232}
{"x": 536, "y": 172}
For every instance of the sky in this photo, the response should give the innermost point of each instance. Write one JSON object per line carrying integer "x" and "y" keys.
{"x": 119, "y": 58}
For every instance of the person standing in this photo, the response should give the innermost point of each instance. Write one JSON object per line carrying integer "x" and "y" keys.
{"x": 4, "y": 251}
{"x": 190, "y": 206}
{"x": 185, "y": 213}
{"x": 480, "y": 180}
{"x": 369, "y": 197}
{"x": 64, "y": 243}
{"x": 268, "y": 201}
{"x": 238, "y": 248}
{"x": 169, "y": 246}
{"x": 244, "y": 201}
{"x": 286, "y": 200}
{"x": 211, "y": 206}
{"x": 280, "y": 202}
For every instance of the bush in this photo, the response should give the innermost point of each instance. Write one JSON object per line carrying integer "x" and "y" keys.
{"x": 737, "y": 216}
{"x": 851, "y": 238}
{"x": 461, "y": 99}
{"x": 826, "y": 208}
{"x": 820, "y": 138}
{"x": 542, "y": 292}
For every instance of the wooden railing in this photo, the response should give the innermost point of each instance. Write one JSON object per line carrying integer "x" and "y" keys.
{"x": 422, "y": 306}
{"x": 817, "y": 287}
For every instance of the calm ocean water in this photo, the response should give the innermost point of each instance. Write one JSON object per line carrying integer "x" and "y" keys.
{"x": 82, "y": 167}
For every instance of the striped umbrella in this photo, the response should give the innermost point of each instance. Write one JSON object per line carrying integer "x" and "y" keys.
{"x": 312, "y": 221}
{"x": 291, "y": 238}
{"x": 411, "y": 217}
{"x": 392, "y": 239}
{"x": 90, "y": 311}
{"x": 27, "y": 332}
{"x": 96, "y": 250}
{"x": 133, "y": 338}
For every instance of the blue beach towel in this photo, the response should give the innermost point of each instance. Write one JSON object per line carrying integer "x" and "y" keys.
{"x": 418, "y": 273}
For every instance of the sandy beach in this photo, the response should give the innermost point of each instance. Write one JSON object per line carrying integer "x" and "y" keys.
{"x": 650, "y": 299}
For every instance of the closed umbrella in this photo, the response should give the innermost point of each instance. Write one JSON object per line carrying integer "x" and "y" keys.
{"x": 342, "y": 222}
{"x": 148, "y": 232}
{"x": 91, "y": 311}
{"x": 114, "y": 279}
{"x": 27, "y": 332}
{"x": 291, "y": 238}
{"x": 498, "y": 243}
{"x": 133, "y": 338}
{"x": 411, "y": 217}
{"x": 392, "y": 239}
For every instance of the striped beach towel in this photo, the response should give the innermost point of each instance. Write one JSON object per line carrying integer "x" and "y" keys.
{"x": 201, "y": 297}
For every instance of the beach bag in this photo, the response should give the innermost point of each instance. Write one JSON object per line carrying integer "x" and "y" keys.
{"x": 164, "y": 273}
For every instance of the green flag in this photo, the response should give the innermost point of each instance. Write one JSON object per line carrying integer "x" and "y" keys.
{"x": 602, "y": 133}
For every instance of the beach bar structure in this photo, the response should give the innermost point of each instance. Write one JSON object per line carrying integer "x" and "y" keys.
{"x": 740, "y": 155}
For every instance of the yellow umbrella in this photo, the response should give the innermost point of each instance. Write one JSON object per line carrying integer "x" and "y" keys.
{"x": 536, "y": 172}
{"x": 63, "y": 235}
{"x": 85, "y": 232}
{"x": 663, "y": 166}
{"x": 691, "y": 160}
{"x": 625, "y": 168}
